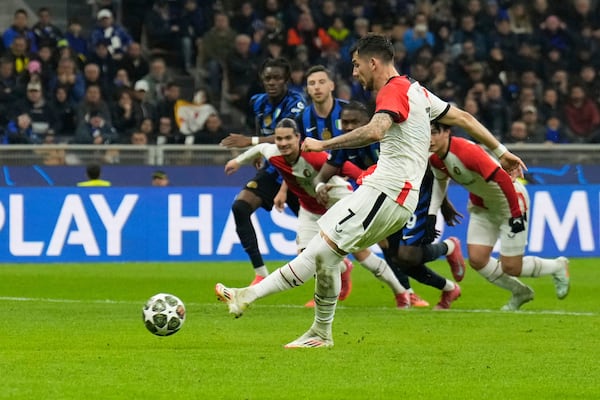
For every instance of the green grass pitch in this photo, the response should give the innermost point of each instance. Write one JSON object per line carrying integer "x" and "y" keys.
{"x": 75, "y": 331}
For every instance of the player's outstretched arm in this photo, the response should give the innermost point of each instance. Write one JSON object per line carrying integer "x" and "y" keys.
{"x": 231, "y": 167}
{"x": 510, "y": 162}
{"x": 359, "y": 137}
{"x": 237, "y": 140}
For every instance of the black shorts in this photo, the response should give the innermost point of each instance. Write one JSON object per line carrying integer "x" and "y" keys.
{"x": 265, "y": 185}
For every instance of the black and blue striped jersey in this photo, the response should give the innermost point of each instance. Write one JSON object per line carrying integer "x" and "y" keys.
{"x": 316, "y": 127}
{"x": 266, "y": 115}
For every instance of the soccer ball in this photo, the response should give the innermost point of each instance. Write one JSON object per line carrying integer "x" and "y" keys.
{"x": 163, "y": 314}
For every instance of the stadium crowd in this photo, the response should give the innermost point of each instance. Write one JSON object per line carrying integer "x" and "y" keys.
{"x": 526, "y": 69}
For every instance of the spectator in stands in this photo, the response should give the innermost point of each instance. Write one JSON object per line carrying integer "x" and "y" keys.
{"x": 467, "y": 31}
{"x": 582, "y": 117}
{"x": 217, "y": 44}
{"x": 126, "y": 114}
{"x": 213, "y": 131}
{"x": 166, "y": 107}
{"x": 520, "y": 22}
{"x": 555, "y": 132}
{"x": 109, "y": 32}
{"x": 20, "y": 131}
{"x": 19, "y": 55}
{"x": 92, "y": 75}
{"x": 10, "y": 91}
{"x": 338, "y": 30}
{"x": 518, "y": 133}
{"x": 503, "y": 38}
{"x": 327, "y": 14}
{"x": 48, "y": 62}
{"x": 486, "y": 20}
{"x": 75, "y": 40}
{"x": 418, "y": 35}
{"x": 157, "y": 78}
{"x": 307, "y": 33}
{"x": 526, "y": 98}
{"x": 134, "y": 62}
{"x": 192, "y": 26}
{"x": 101, "y": 57}
{"x": 553, "y": 60}
{"x": 147, "y": 128}
{"x": 64, "y": 108}
{"x": 550, "y": 105}
{"x": 68, "y": 77}
{"x": 495, "y": 111}
{"x": 140, "y": 94}
{"x": 43, "y": 118}
{"x": 168, "y": 133}
{"x": 138, "y": 138}
{"x": 121, "y": 80}
{"x": 554, "y": 34}
{"x": 561, "y": 81}
{"x": 93, "y": 172}
{"x": 20, "y": 28}
{"x": 46, "y": 33}
{"x": 92, "y": 101}
{"x": 94, "y": 129}
{"x": 245, "y": 19}
{"x": 539, "y": 11}
{"x": 589, "y": 79}
{"x": 162, "y": 30}
{"x": 536, "y": 132}
{"x": 274, "y": 32}
{"x": 242, "y": 69}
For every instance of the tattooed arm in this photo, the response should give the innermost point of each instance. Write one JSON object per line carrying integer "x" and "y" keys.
{"x": 359, "y": 137}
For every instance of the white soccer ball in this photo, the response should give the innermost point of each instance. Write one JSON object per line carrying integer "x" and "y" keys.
{"x": 163, "y": 314}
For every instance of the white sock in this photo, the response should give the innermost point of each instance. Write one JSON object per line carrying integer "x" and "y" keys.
{"x": 449, "y": 286}
{"x": 262, "y": 271}
{"x": 451, "y": 246}
{"x": 494, "y": 274}
{"x": 383, "y": 272}
{"x": 536, "y": 266}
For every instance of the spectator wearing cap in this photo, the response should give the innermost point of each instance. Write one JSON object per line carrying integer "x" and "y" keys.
{"x": 42, "y": 114}
{"x": 147, "y": 109}
{"x": 160, "y": 178}
{"x": 134, "y": 62}
{"x": 109, "y": 32}
{"x": 46, "y": 33}
{"x": 20, "y": 28}
{"x": 536, "y": 133}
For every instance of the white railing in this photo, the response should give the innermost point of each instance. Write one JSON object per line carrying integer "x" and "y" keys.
{"x": 532, "y": 154}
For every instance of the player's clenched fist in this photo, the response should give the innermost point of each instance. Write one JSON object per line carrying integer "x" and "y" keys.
{"x": 311, "y": 144}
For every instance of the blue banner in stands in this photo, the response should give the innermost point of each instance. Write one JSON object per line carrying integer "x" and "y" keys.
{"x": 195, "y": 224}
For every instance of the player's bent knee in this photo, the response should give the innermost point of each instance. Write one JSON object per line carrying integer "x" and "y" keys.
{"x": 241, "y": 209}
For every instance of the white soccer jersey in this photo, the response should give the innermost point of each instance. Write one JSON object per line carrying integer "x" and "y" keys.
{"x": 489, "y": 186}
{"x": 405, "y": 147}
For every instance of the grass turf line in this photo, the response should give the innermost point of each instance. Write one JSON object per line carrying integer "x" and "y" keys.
{"x": 75, "y": 331}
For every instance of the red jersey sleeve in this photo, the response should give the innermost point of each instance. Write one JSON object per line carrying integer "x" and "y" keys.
{"x": 473, "y": 157}
{"x": 393, "y": 98}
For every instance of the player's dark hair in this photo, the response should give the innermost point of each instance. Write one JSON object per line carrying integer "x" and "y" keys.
{"x": 278, "y": 62}
{"x": 318, "y": 68}
{"x": 374, "y": 45}
{"x": 356, "y": 106}
{"x": 440, "y": 127}
{"x": 288, "y": 123}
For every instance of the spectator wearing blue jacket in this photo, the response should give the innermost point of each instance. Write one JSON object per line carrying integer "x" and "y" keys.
{"x": 108, "y": 32}
{"x": 418, "y": 36}
{"x": 20, "y": 28}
